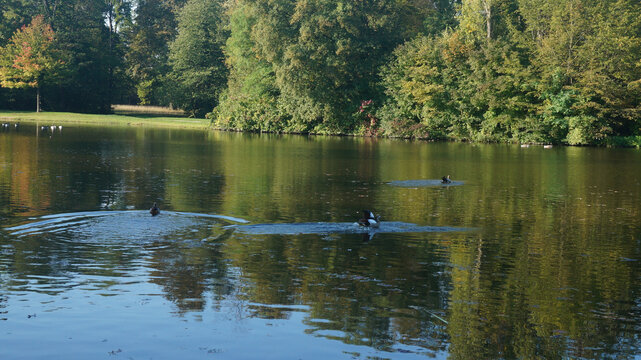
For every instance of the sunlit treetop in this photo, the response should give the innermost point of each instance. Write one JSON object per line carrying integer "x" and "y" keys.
{"x": 28, "y": 56}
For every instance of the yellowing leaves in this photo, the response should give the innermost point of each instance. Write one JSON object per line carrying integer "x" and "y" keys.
{"x": 28, "y": 56}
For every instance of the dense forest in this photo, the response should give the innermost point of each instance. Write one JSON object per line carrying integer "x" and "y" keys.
{"x": 565, "y": 71}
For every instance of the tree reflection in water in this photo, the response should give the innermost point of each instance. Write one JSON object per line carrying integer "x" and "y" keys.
{"x": 550, "y": 271}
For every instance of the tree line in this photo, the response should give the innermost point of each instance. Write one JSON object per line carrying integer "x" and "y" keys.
{"x": 566, "y": 71}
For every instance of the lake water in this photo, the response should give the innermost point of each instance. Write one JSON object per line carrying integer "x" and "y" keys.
{"x": 530, "y": 253}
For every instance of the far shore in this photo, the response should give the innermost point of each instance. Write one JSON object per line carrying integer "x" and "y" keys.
{"x": 155, "y": 119}
{"x": 166, "y": 118}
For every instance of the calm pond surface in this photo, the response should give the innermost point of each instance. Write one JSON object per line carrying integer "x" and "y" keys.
{"x": 532, "y": 253}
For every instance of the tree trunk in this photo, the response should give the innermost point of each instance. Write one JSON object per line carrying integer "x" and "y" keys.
{"x": 38, "y": 99}
{"x": 487, "y": 7}
{"x": 489, "y": 23}
{"x": 112, "y": 30}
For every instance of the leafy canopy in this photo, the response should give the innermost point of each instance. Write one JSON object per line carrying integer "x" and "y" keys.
{"x": 29, "y": 56}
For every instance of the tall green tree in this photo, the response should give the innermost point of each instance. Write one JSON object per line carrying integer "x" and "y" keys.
{"x": 586, "y": 55}
{"x": 325, "y": 54}
{"x": 29, "y": 59}
{"x": 92, "y": 60}
{"x": 250, "y": 100}
{"x": 607, "y": 63}
{"x": 13, "y": 13}
{"x": 468, "y": 83}
{"x": 526, "y": 70}
{"x": 154, "y": 28}
{"x": 197, "y": 58}
{"x": 118, "y": 16}
{"x": 82, "y": 32}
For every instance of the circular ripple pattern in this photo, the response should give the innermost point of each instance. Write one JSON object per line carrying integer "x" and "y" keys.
{"x": 115, "y": 226}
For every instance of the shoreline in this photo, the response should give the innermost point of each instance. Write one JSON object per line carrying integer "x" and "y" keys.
{"x": 174, "y": 122}
{"x": 68, "y": 118}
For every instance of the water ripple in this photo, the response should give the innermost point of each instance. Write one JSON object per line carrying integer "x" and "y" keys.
{"x": 338, "y": 228}
{"x": 137, "y": 225}
{"x": 423, "y": 183}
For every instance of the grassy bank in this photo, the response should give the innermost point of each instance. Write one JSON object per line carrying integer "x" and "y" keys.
{"x": 145, "y": 110}
{"x": 64, "y": 118}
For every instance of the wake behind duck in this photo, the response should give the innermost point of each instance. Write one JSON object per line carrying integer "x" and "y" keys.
{"x": 443, "y": 182}
{"x": 368, "y": 224}
{"x": 323, "y": 228}
{"x": 119, "y": 225}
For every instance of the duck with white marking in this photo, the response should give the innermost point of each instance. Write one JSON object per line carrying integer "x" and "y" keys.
{"x": 369, "y": 219}
{"x": 446, "y": 180}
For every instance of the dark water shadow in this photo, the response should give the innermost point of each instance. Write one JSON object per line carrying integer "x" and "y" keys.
{"x": 338, "y": 228}
{"x": 423, "y": 183}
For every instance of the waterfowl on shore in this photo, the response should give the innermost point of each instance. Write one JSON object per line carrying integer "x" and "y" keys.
{"x": 154, "y": 210}
{"x": 369, "y": 219}
{"x": 547, "y": 146}
{"x": 446, "y": 180}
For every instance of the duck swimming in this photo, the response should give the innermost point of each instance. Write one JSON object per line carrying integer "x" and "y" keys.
{"x": 446, "y": 180}
{"x": 369, "y": 219}
{"x": 154, "y": 210}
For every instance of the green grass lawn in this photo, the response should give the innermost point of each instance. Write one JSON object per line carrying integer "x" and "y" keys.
{"x": 65, "y": 118}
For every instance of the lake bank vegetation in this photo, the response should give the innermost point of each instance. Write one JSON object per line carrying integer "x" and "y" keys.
{"x": 531, "y": 71}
